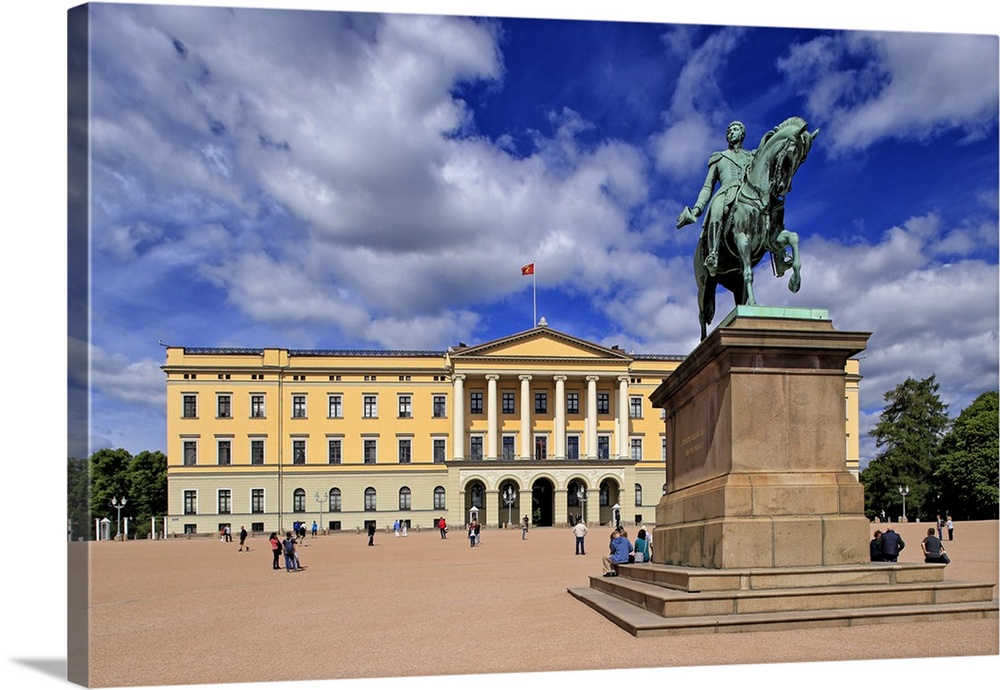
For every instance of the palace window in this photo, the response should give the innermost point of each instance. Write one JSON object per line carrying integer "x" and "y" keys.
{"x": 440, "y": 407}
{"x": 404, "y": 450}
{"x": 299, "y": 501}
{"x": 635, "y": 448}
{"x": 256, "y": 452}
{"x": 190, "y": 453}
{"x": 508, "y": 447}
{"x": 190, "y": 406}
{"x": 476, "y": 448}
{"x": 541, "y": 447}
{"x": 335, "y": 500}
{"x": 404, "y": 498}
{"x": 256, "y": 500}
{"x": 572, "y": 403}
{"x": 334, "y": 451}
{"x": 299, "y": 452}
{"x": 371, "y": 406}
{"x": 507, "y": 402}
{"x": 370, "y": 496}
{"x": 225, "y": 501}
{"x": 572, "y": 447}
{"x": 225, "y": 406}
{"x": 225, "y": 452}
{"x": 257, "y": 406}
{"x": 638, "y": 495}
{"x": 603, "y": 403}
{"x": 439, "y": 494}
{"x": 603, "y": 447}
{"x": 541, "y": 403}
{"x": 635, "y": 406}
{"x": 476, "y": 402}
{"x": 335, "y": 406}
{"x": 439, "y": 449}
{"x": 190, "y": 502}
{"x": 299, "y": 406}
{"x": 371, "y": 451}
{"x": 405, "y": 407}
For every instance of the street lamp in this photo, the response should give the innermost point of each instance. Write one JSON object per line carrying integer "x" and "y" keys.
{"x": 321, "y": 500}
{"x": 581, "y": 495}
{"x": 903, "y": 491}
{"x": 509, "y": 498}
{"x": 118, "y": 506}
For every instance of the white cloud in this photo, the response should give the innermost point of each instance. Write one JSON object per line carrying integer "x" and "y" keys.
{"x": 907, "y": 87}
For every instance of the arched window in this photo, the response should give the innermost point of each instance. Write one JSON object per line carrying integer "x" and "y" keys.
{"x": 638, "y": 494}
{"x": 439, "y": 502}
{"x": 572, "y": 497}
{"x": 370, "y": 498}
{"x": 477, "y": 496}
{"x": 335, "y": 500}
{"x": 605, "y": 494}
{"x": 299, "y": 501}
{"x": 404, "y": 498}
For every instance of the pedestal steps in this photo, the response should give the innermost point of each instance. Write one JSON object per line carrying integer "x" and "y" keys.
{"x": 665, "y": 600}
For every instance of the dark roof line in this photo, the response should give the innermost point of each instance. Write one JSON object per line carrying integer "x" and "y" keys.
{"x": 367, "y": 353}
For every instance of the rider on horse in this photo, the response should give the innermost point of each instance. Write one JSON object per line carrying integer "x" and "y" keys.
{"x": 728, "y": 168}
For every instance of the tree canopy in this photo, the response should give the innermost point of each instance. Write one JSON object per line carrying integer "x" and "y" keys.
{"x": 967, "y": 475}
{"x": 115, "y": 474}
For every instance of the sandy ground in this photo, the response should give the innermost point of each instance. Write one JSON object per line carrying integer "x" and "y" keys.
{"x": 421, "y": 606}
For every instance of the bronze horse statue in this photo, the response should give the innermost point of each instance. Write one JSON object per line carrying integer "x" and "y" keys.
{"x": 753, "y": 224}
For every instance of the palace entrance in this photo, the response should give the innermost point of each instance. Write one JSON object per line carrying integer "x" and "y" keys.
{"x": 542, "y": 503}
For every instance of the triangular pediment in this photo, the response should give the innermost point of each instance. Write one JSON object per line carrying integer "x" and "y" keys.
{"x": 540, "y": 343}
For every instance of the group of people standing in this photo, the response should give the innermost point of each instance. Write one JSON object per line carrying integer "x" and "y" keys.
{"x": 399, "y": 528}
{"x": 288, "y": 548}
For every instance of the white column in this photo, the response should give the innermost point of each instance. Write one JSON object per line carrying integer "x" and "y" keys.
{"x": 559, "y": 430}
{"x": 525, "y": 416}
{"x": 592, "y": 416}
{"x": 623, "y": 440}
{"x": 492, "y": 419}
{"x": 458, "y": 409}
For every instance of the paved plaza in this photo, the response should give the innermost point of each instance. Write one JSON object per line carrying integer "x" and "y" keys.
{"x": 202, "y": 612}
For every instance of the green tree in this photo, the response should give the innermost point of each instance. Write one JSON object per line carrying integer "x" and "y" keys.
{"x": 909, "y": 432}
{"x": 78, "y": 499}
{"x": 147, "y": 489}
{"x": 967, "y": 475}
{"x": 109, "y": 478}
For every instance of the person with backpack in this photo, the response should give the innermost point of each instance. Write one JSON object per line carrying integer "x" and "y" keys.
{"x": 291, "y": 557}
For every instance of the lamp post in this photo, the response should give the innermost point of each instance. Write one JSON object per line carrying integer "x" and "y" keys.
{"x": 509, "y": 498}
{"x": 903, "y": 491}
{"x": 321, "y": 500}
{"x": 581, "y": 495}
{"x": 118, "y": 506}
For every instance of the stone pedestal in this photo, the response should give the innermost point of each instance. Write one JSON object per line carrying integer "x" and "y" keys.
{"x": 755, "y": 425}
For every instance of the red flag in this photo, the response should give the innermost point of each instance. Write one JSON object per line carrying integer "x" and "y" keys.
{"x": 528, "y": 269}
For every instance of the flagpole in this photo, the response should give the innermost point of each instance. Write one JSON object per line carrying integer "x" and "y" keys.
{"x": 534, "y": 298}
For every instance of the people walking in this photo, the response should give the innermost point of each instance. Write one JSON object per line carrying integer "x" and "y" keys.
{"x": 402, "y": 527}
{"x": 395, "y": 528}
{"x": 371, "y": 533}
{"x": 443, "y": 527}
{"x": 580, "y": 531}
{"x": 524, "y": 528}
{"x": 243, "y": 538}
{"x": 315, "y": 529}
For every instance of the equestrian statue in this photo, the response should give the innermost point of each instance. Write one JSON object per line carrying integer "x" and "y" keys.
{"x": 746, "y": 216}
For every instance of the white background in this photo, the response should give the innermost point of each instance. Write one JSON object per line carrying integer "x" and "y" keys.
{"x": 33, "y": 371}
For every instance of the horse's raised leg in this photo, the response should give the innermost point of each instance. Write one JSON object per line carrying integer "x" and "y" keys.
{"x": 743, "y": 250}
{"x": 787, "y": 238}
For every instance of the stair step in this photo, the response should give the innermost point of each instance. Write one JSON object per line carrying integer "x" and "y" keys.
{"x": 667, "y": 602}
{"x": 642, "y": 623}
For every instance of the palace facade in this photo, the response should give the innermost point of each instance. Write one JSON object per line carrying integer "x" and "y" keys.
{"x": 539, "y": 423}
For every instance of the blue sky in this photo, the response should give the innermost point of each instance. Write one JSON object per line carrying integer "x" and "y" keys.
{"x": 326, "y": 179}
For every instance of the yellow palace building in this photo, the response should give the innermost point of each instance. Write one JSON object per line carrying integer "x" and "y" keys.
{"x": 539, "y": 423}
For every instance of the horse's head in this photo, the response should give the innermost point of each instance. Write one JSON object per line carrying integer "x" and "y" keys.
{"x": 782, "y": 150}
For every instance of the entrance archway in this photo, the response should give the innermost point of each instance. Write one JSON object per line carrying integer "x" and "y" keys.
{"x": 542, "y": 503}
{"x": 609, "y": 495}
{"x": 577, "y": 497}
{"x": 475, "y": 497}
